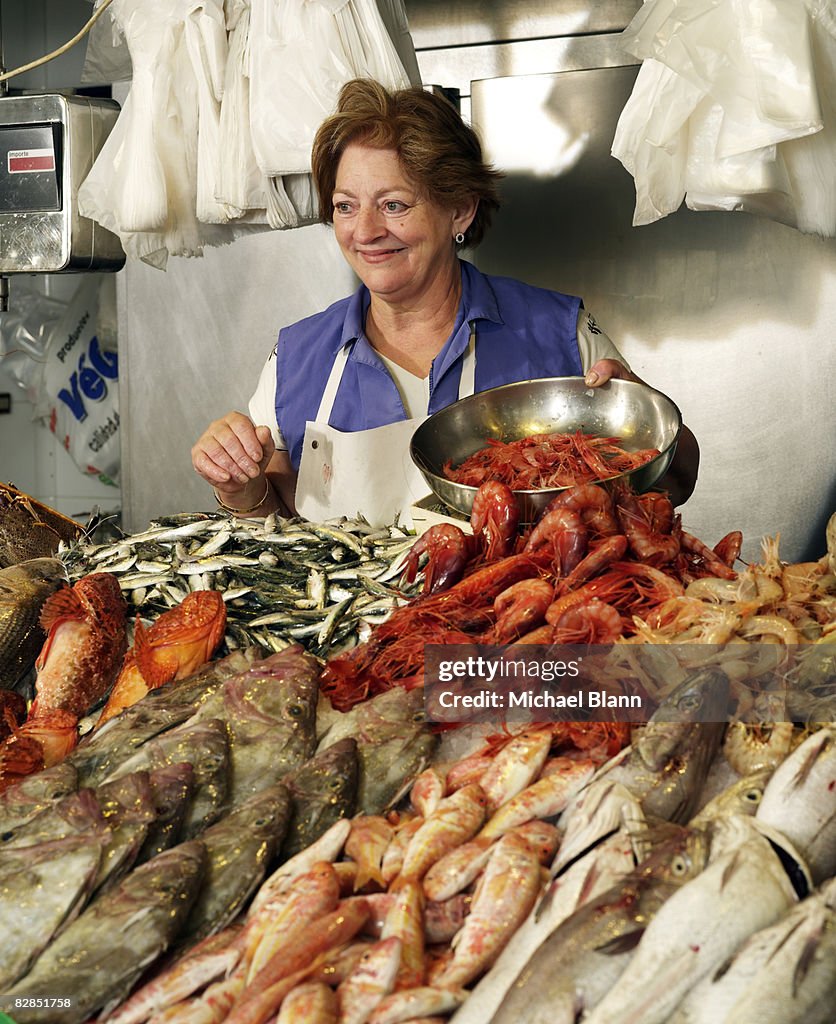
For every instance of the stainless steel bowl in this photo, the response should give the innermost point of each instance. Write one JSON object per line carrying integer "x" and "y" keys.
{"x": 641, "y": 416}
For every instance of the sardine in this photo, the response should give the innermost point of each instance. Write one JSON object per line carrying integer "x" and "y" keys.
{"x": 576, "y": 965}
{"x": 322, "y": 791}
{"x": 98, "y": 957}
{"x": 239, "y": 848}
{"x": 741, "y": 891}
{"x": 23, "y": 590}
{"x": 800, "y": 802}
{"x": 270, "y": 716}
{"x": 783, "y": 974}
{"x": 393, "y": 741}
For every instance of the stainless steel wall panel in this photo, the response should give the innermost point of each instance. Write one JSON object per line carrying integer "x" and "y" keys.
{"x": 439, "y": 23}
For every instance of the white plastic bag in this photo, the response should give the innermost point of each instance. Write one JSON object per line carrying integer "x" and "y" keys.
{"x": 726, "y": 86}
{"x": 301, "y": 54}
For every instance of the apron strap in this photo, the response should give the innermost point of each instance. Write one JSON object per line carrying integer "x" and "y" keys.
{"x": 467, "y": 381}
{"x": 332, "y": 385}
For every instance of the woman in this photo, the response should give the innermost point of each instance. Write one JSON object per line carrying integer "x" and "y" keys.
{"x": 401, "y": 178}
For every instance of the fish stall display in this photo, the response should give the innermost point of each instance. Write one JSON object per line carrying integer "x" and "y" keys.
{"x": 222, "y": 798}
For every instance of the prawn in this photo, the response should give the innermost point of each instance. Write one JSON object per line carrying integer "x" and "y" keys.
{"x": 591, "y": 622}
{"x": 650, "y": 546}
{"x": 521, "y": 607}
{"x": 593, "y": 504}
{"x": 495, "y": 518}
{"x": 609, "y": 550}
{"x": 449, "y": 550}
{"x": 711, "y": 562}
{"x": 563, "y": 533}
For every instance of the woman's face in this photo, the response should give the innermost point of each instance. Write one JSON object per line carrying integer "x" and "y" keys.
{"x": 397, "y": 242}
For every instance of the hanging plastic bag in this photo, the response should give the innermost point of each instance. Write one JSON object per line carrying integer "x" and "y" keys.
{"x": 724, "y": 88}
{"x": 301, "y": 54}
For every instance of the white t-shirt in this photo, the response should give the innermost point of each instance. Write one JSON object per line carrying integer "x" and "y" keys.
{"x": 593, "y": 345}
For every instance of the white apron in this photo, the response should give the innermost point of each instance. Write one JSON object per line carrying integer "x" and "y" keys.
{"x": 369, "y": 472}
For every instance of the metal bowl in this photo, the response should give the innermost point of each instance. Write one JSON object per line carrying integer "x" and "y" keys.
{"x": 641, "y": 416}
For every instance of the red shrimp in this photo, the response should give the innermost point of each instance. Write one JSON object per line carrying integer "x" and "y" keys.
{"x": 449, "y": 550}
{"x": 650, "y": 546}
{"x": 495, "y": 518}
{"x": 728, "y": 549}
{"x": 609, "y": 550}
{"x": 593, "y": 504}
{"x": 562, "y": 532}
{"x": 592, "y": 622}
{"x": 712, "y": 563}
{"x": 520, "y": 608}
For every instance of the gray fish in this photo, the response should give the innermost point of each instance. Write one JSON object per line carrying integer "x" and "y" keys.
{"x": 44, "y": 886}
{"x": 239, "y": 849}
{"x": 75, "y": 813}
{"x": 322, "y": 791}
{"x": 127, "y": 807}
{"x": 576, "y": 965}
{"x": 205, "y": 746}
{"x": 172, "y": 789}
{"x": 270, "y": 715}
{"x": 743, "y": 889}
{"x": 97, "y": 959}
{"x": 800, "y": 801}
{"x": 684, "y": 749}
{"x": 34, "y": 793}
{"x": 783, "y": 974}
{"x": 394, "y": 744}
{"x": 742, "y": 797}
{"x": 23, "y": 589}
{"x": 101, "y": 753}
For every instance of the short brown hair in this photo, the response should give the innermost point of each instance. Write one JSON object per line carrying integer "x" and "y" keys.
{"x": 437, "y": 150}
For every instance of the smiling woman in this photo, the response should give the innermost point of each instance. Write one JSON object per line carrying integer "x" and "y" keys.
{"x": 403, "y": 181}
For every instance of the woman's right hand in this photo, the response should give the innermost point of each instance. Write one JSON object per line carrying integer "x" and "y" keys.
{"x": 231, "y": 453}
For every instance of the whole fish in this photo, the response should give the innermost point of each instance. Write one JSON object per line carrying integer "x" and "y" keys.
{"x": 456, "y": 820}
{"x": 76, "y": 812}
{"x": 127, "y": 806}
{"x": 239, "y": 847}
{"x": 85, "y": 644}
{"x": 405, "y": 921}
{"x": 741, "y": 891}
{"x": 505, "y": 897}
{"x": 215, "y": 957}
{"x": 587, "y": 878}
{"x": 372, "y": 979}
{"x": 270, "y": 715}
{"x": 41, "y": 742}
{"x": 741, "y": 797}
{"x": 366, "y": 844}
{"x": 663, "y": 772}
{"x": 23, "y": 590}
{"x": 100, "y": 753}
{"x": 311, "y": 1003}
{"x": 579, "y": 961}
{"x": 800, "y": 801}
{"x": 99, "y": 956}
{"x": 393, "y": 741}
{"x": 515, "y": 767}
{"x": 35, "y": 793}
{"x": 783, "y": 974}
{"x": 176, "y": 644}
{"x": 205, "y": 746}
{"x": 172, "y": 788}
{"x": 326, "y": 848}
{"x": 43, "y": 886}
{"x": 322, "y": 791}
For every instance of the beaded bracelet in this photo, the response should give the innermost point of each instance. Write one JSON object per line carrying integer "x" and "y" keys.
{"x": 243, "y": 511}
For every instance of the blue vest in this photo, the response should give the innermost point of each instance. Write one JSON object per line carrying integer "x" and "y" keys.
{"x": 522, "y": 333}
